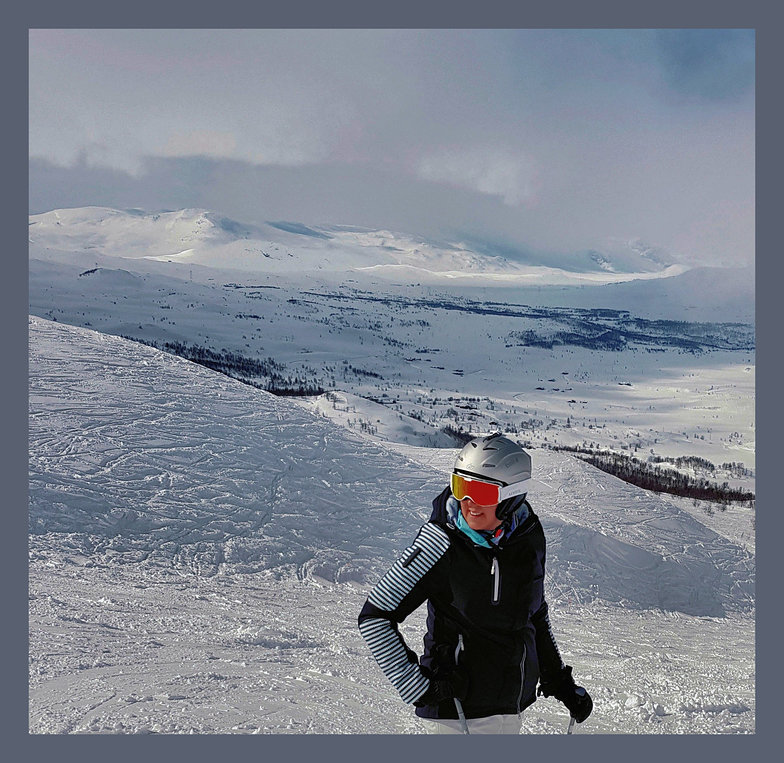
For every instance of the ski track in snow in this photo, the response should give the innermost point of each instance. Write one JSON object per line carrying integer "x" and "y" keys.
{"x": 200, "y": 549}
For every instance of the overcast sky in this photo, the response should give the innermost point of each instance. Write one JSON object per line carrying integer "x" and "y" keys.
{"x": 552, "y": 140}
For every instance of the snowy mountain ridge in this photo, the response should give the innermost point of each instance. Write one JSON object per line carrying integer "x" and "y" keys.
{"x": 197, "y": 236}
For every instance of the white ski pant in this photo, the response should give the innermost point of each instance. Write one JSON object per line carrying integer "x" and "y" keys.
{"x": 492, "y": 724}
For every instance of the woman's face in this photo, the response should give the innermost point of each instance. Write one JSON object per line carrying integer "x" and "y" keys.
{"x": 479, "y": 517}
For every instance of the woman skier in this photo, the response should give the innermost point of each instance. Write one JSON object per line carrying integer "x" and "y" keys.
{"x": 479, "y": 563}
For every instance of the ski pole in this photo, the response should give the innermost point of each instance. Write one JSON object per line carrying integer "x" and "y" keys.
{"x": 581, "y": 693}
{"x": 458, "y": 703}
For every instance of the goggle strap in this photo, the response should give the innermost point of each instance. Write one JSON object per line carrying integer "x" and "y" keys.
{"x": 516, "y": 488}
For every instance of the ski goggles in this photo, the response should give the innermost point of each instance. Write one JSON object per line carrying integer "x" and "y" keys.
{"x": 483, "y": 492}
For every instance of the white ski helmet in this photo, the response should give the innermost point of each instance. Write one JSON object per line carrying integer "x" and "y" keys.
{"x": 495, "y": 457}
{"x": 499, "y": 459}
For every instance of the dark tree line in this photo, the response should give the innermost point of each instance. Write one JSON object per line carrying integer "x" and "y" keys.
{"x": 458, "y": 433}
{"x": 241, "y": 368}
{"x": 359, "y": 371}
{"x": 659, "y": 479}
{"x": 695, "y": 462}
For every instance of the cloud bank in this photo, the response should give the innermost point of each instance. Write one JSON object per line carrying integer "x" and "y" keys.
{"x": 546, "y": 139}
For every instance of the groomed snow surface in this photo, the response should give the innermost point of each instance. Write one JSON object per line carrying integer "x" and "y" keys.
{"x": 200, "y": 550}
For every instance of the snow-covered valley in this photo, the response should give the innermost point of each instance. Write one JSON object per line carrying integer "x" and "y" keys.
{"x": 649, "y": 373}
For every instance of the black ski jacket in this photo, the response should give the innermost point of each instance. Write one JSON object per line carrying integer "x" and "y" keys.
{"x": 490, "y": 601}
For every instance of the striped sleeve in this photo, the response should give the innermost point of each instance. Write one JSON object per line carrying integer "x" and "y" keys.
{"x": 390, "y": 601}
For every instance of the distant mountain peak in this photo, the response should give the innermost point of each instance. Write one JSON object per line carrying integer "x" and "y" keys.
{"x": 208, "y": 238}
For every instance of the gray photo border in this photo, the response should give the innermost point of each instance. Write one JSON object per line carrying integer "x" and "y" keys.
{"x": 756, "y": 14}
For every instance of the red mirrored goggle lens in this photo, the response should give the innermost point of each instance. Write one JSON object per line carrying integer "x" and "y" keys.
{"x": 481, "y": 493}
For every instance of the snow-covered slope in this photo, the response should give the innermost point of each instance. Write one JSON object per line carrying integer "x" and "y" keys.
{"x": 148, "y": 457}
{"x": 195, "y": 236}
{"x": 234, "y": 534}
{"x": 168, "y": 461}
{"x": 377, "y": 420}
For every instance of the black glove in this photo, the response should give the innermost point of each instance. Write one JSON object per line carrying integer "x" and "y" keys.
{"x": 564, "y": 689}
{"x": 445, "y": 687}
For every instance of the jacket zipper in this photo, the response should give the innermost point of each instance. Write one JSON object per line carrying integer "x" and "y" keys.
{"x": 495, "y": 571}
{"x": 458, "y": 703}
